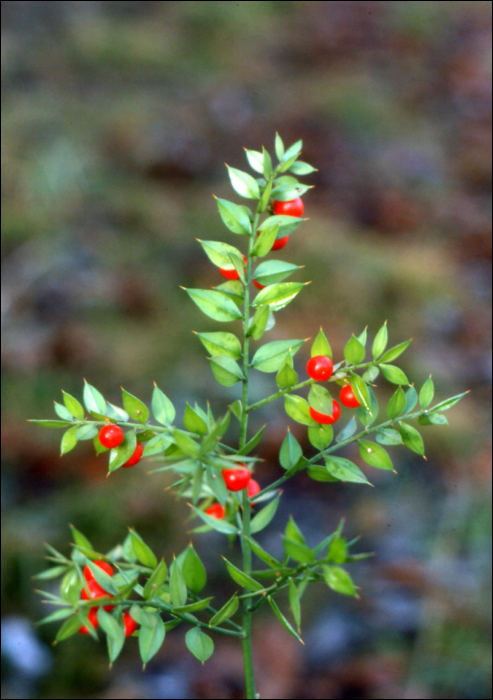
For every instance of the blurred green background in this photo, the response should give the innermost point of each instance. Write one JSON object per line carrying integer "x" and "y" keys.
{"x": 117, "y": 118}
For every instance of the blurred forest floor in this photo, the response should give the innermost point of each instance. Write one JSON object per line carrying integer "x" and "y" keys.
{"x": 117, "y": 118}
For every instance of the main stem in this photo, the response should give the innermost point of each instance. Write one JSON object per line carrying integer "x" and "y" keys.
{"x": 247, "y": 552}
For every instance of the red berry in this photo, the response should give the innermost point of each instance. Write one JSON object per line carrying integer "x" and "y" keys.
{"x": 320, "y": 368}
{"x": 258, "y": 285}
{"x": 253, "y": 488}
{"x": 348, "y": 398}
{"x": 294, "y": 207}
{"x": 95, "y": 592}
{"x": 89, "y": 576}
{"x": 92, "y": 616}
{"x": 136, "y": 457}
{"x": 216, "y": 511}
{"x": 111, "y": 436}
{"x": 129, "y": 624}
{"x": 236, "y": 479}
{"x": 280, "y": 243}
{"x": 323, "y": 417}
{"x": 231, "y": 274}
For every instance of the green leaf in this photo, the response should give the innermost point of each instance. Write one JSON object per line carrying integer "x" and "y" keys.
{"x": 241, "y": 578}
{"x": 321, "y": 436}
{"x": 354, "y": 352}
{"x": 337, "y": 551}
{"x": 318, "y": 473}
{"x": 156, "y": 580}
{"x": 86, "y": 432}
{"x": 298, "y": 409}
{"x": 194, "y": 571}
{"x": 219, "y": 525}
{"x": 293, "y": 150}
{"x": 80, "y": 539}
{"x": 54, "y": 572}
{"x": 348, "y": 431}
{"x": 69, "y": 627}
{"x": 156, "y": 445}
{"x": 387, "y": 436}
{"x": 411, "y": 399}
{"x": 264, "y": 516}
{"x": 221, "y": 343}
{"x": 286, "y": 192}
{"x": 185, "y": 443}
{"x": 427, "y": 393}
{"x": 279, "y": 147}
{"x": 69, "y": 440}
{"x": 290, "y": 451}
{"x": 267, "y": 164}
{"x": 339, "y": 580}
{"x": 199, "y": 644}
{"x": 287, "y": 224}
{"x": 193, "y": 422}
{"x": 194, "y": 607}
{"x": 271, "y": 356}
{"x": 320, "y": 399}
{"x": 298, "y": 551}
{"x": 252, "y": 444}
{"x": 259, "y": 322}
{"x": 256, "y": 160}
{"x": 433, "y": 419}
{"x": 375, "y": 455}
{"x": 277, "y": 296}
{"x": 151, "y": 636}
{"x": 234, "y": 216}
{"x": 321, "y": 346}
{"x": 221, "y": 254}
{"x": 265, "y": 240}
{"x": 395, "y": 352}
{"x": 62, "y": 412}
{"x": 177, "y": 586}
{"x": 286, "y": 376}
{"x": 282, "y": 619}
{"x": 51, "y": 423}
{"x": 345, "y": 470}
{"x": 380, "y": 342}
{"x": 142, "y": 551}
{"x": 162, "y": 408}
{"x": 121, "y": 454}
{"x": 135, "y": 408}
{"x": 216, "y": 305}
{"x": 294, "y": 603}
{"x": 236, "y": 409}
{"x": 105, "y": 580}
{"x": 293, "y": 532}
{"x": 301, "y": 168}
{"x": 234, "y": 290}
{"x": 273, "y": 271}
{"x": 243, "y": 183}
{"x": 263, "y": 555}
{"x": 93, "y": 399}
{"x": 227, "y": 611}
{"x": 397, "y": 403}
{"x": 369, "y": 417}
{"x": 394, "y": 374}
{"x": 75, "y": 407}
{"x": 412, "y": 438}
{"x": 363, "y": 337}
{"x": 360, "y": 390}
{"x": 55, "y": 616}
{"x": 114, "y": 631}
{"x": 448, "y": 403}
{"x": 371, "y": 374}
{"x": 226, "y": 370}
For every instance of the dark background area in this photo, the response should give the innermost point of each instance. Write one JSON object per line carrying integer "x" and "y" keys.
{"x": 117, "y": 118}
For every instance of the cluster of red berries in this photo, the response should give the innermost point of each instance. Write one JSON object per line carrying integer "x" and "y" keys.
{"x": 320, "y": 368}
{"x": 96, "y": 592}
{"x": 294, "y": 207}
{"x": 112, "y": 436}
{"x": 236, "y": 479}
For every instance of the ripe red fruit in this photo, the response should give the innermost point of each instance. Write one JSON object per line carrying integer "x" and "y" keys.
{"x": 92, "y": 616}
{"x": 129, "y": 624}
{"x": 216, "y": 511}
{"x": 136, "y": 457}
{"x": 236, "y": 479}
{"x": 258, "y": 285}
{"x": 348, "y": 398}
{"x": 95, "y": 592}
{"x": 320, "y": 368}
{"x": 111, "y": 435}
{"x": 323, "y": 417}
{"x": 294, "y": 207}
{"x": 253, "y": 488}
{"x": 89, "y": 576}
{"x": 280, "y": 243}
{"x": 231, "y": 274}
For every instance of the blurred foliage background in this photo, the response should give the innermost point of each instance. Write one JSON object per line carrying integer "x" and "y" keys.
{"x": 117, "y": 118}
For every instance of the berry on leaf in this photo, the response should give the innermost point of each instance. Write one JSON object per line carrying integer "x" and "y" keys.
{"x": 237, "y": 478}
{"x": 136, "y": 457}
{"x": 323, "y": 417}
{"x": 111, "y": 436}
{"x": 129, "y": 624}
{"x": 294, "y": 207}
{"x": 258, "y": 285}
{"x": 280, "y": 243}
{"x": 216, "y": 511}
{"x": 320, "y": 368}
{"x": 96, "y": 592}
{"x": 253, "y": 488}
{"x": 231, "y": 274}
{"x": 92, "y": 616}
{"x": 103, "y": 565}
{"x": 348, "y": 398}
